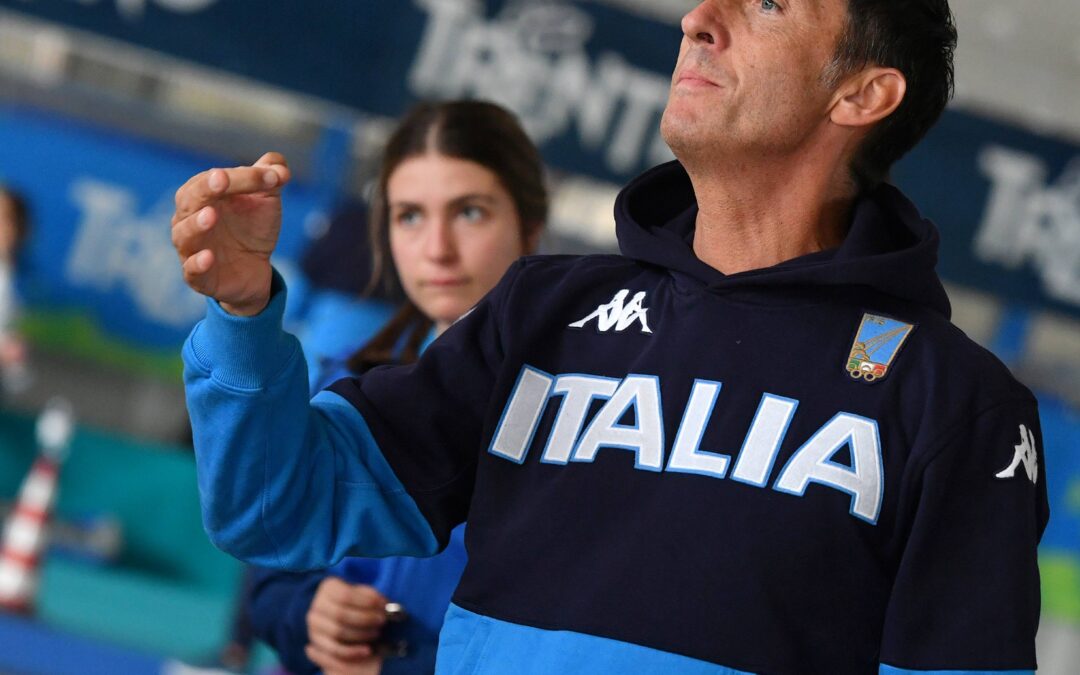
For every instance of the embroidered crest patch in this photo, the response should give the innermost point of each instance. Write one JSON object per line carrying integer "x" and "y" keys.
{"x": 876, "y": 345}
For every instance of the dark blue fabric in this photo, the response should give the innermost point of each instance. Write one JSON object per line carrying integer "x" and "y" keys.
{"x": 837, "y": 523}
{"x": 765, "y": 578}
{"x": 277, "y": 605}
{"x": 889, "y": 670}
{"x": 340, "y": 259}
{"x": 888, "y": 247}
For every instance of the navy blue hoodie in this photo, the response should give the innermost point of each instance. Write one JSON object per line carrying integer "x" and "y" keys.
{"x": 799, "y": 469}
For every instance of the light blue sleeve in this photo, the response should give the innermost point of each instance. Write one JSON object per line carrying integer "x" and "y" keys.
{"x": 286, "y": 482}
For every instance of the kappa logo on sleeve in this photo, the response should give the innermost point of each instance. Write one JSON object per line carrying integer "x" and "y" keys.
{"x": 1025, "y": 454}
{"x": 619, "y": 314}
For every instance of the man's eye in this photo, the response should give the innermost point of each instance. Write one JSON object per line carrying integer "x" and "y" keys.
{"x": 769, "y": 5}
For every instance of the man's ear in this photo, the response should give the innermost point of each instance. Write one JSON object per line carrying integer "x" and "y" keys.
{"x": 868, "y": 97}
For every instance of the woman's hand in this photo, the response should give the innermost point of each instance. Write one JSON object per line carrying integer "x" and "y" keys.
{"x": 225, "y": 228}
{"x": 343, "y": 621}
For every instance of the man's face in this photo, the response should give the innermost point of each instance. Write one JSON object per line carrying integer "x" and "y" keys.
{"x": 749, "y": 76}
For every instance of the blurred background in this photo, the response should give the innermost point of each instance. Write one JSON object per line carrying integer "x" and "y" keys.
{"x": 107, "y": 106}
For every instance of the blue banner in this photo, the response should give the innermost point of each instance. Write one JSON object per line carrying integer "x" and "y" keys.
{"x": 101, "y": 244}
{"x": 1008, "y": 205}
{"x": 590, "y": 81}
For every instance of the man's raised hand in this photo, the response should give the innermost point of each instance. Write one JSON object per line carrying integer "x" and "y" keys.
{"x": 225, "y": 228}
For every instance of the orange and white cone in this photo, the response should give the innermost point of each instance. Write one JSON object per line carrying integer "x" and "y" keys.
{"x": 24, "y": 533}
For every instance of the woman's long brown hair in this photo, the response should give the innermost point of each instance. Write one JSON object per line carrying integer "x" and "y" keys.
{"x": 476, "y": 131}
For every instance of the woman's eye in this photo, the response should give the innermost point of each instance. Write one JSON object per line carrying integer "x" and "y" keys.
{"x": 408, "y": 218}
{"x": 473, "y": 214}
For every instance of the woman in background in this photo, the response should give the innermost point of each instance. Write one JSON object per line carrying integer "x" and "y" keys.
{"x": 460, "y": 196}
{"x": 14, "y": 227}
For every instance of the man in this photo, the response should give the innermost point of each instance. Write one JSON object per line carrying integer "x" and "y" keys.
{"x": 752, "y": 443}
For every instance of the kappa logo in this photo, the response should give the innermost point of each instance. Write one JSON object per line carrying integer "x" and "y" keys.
{"x": 618, "y": 314}
{"x": 1026, "y": 455}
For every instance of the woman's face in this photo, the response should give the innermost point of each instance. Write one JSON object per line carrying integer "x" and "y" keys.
{"x": 454, "y": 229}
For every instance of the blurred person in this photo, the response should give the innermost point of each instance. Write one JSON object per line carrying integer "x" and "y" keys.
{"x": 460, "y": 196}
{"x": 14, "y": 229}
{"x": 751, "y": 443}
{"x": 342, "y": 308}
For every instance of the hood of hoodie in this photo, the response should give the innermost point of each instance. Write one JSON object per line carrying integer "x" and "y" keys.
{"x": 889, "y": 245}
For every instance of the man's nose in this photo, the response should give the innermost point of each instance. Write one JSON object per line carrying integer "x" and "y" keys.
{"x": 705, "y": 24}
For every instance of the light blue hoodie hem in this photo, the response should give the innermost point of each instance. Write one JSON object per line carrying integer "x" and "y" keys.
{"x": 479, "y": 645}
{"x": 891, "y": 670}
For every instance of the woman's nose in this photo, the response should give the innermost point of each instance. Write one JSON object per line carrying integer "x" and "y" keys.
{"x": 439, "y": 243}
